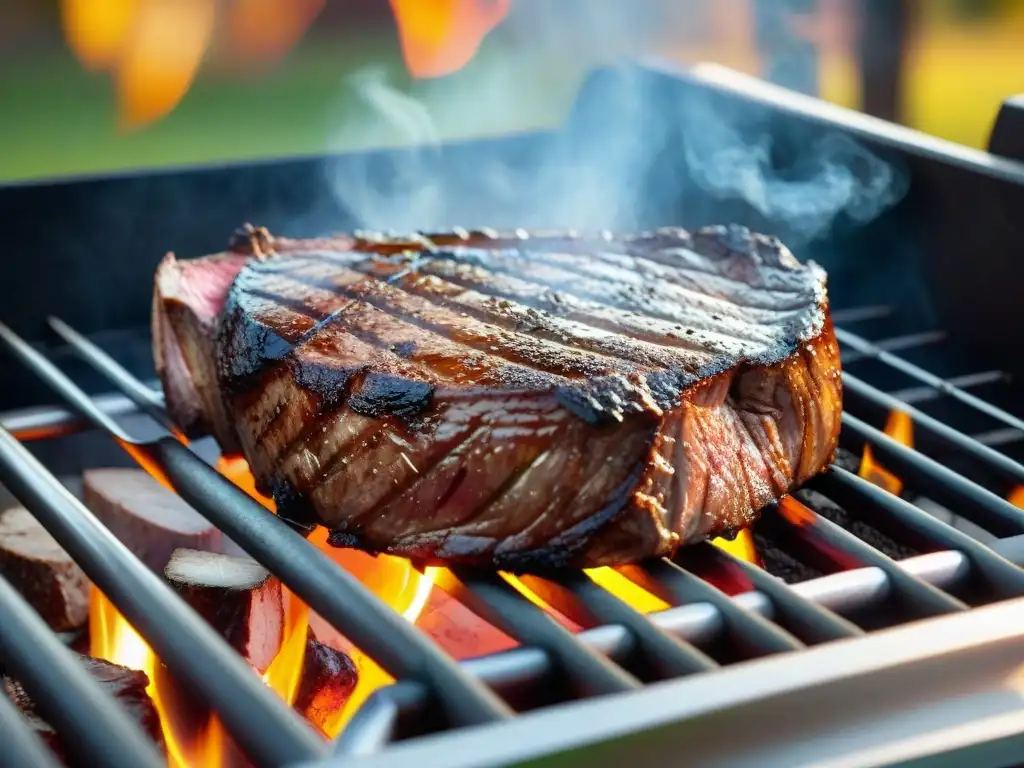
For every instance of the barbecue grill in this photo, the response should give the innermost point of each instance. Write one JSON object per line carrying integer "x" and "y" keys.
{"x": 876, "y": 661}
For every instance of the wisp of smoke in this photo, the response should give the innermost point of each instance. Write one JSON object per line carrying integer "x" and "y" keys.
{"x": 600, "y": 177}
{"x": 832, "y": 175}
{"x": 407, "y": 195}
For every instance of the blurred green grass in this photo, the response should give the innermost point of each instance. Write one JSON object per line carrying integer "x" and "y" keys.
{"x": 57, "y": 119}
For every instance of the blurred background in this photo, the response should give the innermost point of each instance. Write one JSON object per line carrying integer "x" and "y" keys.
{"x": 96, "y": 85}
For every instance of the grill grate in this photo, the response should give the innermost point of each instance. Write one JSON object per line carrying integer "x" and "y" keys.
{"x": 622, "y": 647}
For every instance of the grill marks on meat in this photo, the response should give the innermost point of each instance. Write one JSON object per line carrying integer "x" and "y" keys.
{"x": 563, "y": 402}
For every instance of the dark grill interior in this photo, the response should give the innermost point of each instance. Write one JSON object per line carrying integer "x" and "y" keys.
{"x": 857, "y": 562}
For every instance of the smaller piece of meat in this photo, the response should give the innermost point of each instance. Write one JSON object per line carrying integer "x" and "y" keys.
{"x": 149, "y": 519}
{"x": 126, "y": 685}
{"x": 45, "y": 575}
{"x": 237, "y": 596}
{"x": 328, "y": 679}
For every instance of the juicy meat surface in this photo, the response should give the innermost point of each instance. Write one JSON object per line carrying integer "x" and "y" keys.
{"x": 526, "y": 402}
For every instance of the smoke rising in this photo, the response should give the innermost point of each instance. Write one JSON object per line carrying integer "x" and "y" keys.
{"x": 623, "y": 162}
{"x": 830, "y": 176}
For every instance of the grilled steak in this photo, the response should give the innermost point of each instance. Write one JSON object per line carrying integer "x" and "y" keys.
{"x": 520, "y": 402}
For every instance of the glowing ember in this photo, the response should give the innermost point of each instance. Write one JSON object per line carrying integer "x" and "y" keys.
{"x": 439, "y": 37}
{"x": 899, "y": 427}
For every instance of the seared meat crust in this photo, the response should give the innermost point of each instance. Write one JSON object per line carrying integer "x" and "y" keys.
{"x": 515, "y": 401}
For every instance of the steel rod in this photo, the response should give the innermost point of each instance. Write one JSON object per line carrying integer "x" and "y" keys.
{"x": 20, "y": 747}
{"x": 148, "y": 401}
{"x": 809, "y": 621}
{"x": 846, "y": 592}
{"x": 860, "y": 314}
{"x": 919, "y": 597}
{"x": 376, "y": 722}
{"x": 957, "y": 493}
{"x": 493, "y": 599}
{"x": 663, "y": 655}
{"x": 942, "y": 432}
{"x": 882, "y": 507}
{"x": 924, "y": 393}
{"x": 336, "y": 595}
{"x": 54, "y": 421}
{"x": 67, "y": 698}
{"x": 269, "y": 732}
{"x": 865, "y": 347}
{"x": 329, "y": 590}
{"x": 754, "y": 634}
{"x": 897, "y": 343}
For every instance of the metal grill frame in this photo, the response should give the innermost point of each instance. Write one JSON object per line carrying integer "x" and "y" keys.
{"x": 897, "y": 686}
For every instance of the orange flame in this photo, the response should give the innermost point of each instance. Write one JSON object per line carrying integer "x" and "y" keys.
{"x": 153, "y": 49}
{"x": 111, "y": 637}
{"x": 900, "y": 428}
{"x": 1016, "y": 497}
{"x": 263, "y": 31}
{"x": 392, "y": 579}
{"x": 439, "y": 37}
{"x": 742, "y": 546}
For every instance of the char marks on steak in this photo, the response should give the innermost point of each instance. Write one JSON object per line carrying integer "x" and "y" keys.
{"x": 528, "y": 402}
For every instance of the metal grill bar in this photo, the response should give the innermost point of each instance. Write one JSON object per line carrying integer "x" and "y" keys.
{"x": 865, "y": 347}
{"x": 753, "y": 634}
{"x": 497, "y": 602}
{"x": 811, "y": 622}
{"x": 375, "y": 723}
{"x": 897, "y": 343}
{"x": 942, "y": 432}
{"x": 924, "y": 394}
{"x": 918, "y": 597}
{"x": 52, "y": 421}
{"x": 269, "y": 732}
{"x": 885, "y": 510}
{"x": 860, "y": 314}
{"x": 195, "y": 479}
{"x": 848, "y": 592}
{"x": 663, "y": 656}
{"x": 69, "y": 700}
{"x": 21, "y": 747}
{"x": 147, "y": 400}
{"x": 897, "y": 697}
{"x": 329, "y": 590}
{"x": 958, "y": 494}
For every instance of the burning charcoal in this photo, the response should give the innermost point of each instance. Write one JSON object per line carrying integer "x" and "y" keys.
{"x": 237, "y": 596}
{"x": 149, "y": 519}
{"x": 832, "y": 511}
{"x": 782, "y": 565}
{"x": 45, "y": 575}
{"x": 459, "y": 631}
{"x": 126, "y": 685}
{"x": 328, "y": 679}
{"x": 847, "y": 460}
